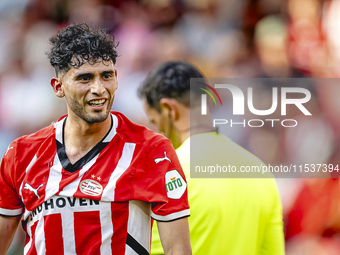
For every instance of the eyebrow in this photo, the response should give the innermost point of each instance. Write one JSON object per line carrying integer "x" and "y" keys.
{"x": 81, "y": 75}
{"x": 107, "y": 72}
{"x": 78, "y": 76}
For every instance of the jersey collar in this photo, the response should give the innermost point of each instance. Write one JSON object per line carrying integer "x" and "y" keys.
{"x": 59, "y": 136}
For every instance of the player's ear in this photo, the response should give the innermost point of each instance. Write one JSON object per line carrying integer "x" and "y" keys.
{"x": 56, "y": 84}
{"x": 170, "y": 105}
{"x": 116, "y": 80}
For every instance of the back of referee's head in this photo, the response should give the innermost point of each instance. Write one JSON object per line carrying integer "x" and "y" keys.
{"x": 169, "y": 80}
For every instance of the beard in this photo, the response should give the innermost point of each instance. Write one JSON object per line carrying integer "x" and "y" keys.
{"x": 90, "y": 118}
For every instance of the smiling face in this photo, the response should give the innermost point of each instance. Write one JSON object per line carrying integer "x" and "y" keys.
{"x": 89, "y": 90}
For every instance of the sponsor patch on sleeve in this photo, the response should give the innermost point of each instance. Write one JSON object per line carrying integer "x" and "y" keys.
{"x": 175, "y": 184}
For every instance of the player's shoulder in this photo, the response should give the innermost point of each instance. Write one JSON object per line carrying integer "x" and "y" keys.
{"x": 28, "y": 144}
{"x": 37, "y": 137}
{"x": 136, "y": 133}
{"x": 21, "y": 151}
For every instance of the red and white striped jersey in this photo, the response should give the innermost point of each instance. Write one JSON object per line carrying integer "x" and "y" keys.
{"x": 102, "y": 204}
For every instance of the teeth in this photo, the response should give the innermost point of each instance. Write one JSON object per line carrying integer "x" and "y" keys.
{"x": 97, "y": 102}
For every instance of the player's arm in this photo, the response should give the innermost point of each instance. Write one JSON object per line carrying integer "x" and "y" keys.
{"x": 8, "y": 226}
{"x": 11, "y": 207}
{"x": 175, "y": 237}
{"x": 164, "y": 184}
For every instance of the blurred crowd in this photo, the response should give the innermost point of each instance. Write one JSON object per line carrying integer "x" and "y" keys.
{"x": 223, "y": 38}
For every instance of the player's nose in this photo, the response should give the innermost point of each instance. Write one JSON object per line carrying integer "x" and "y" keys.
{"x": 97, "y": 87}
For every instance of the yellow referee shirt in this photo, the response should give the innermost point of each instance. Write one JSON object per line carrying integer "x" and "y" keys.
{"x": 240, "y": 216}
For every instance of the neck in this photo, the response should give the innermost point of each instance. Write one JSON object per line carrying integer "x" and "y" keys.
{"x": 192, "y": 124}
{"x": 80, "y": 137}
{"x": 198, "y": 128}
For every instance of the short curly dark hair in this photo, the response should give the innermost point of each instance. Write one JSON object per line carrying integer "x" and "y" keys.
{"x": 77, "y": 44}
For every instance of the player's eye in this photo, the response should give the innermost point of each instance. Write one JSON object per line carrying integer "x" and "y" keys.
{"x": 107, "y": 75}
{"x": 84, "y": 78}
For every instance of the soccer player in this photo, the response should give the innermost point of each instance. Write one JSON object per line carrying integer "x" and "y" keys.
{"x": 90, "y": 183}
{"x": 229, "y": 216}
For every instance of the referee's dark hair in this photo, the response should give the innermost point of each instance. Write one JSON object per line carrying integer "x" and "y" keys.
{"x": 171, "y": 80}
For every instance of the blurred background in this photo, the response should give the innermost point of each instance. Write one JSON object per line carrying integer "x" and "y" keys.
{"x": 224, "y": 38}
